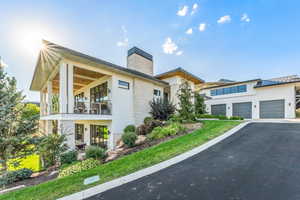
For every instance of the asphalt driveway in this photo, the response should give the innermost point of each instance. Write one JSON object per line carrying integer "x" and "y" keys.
{"x": 260, "y": 162}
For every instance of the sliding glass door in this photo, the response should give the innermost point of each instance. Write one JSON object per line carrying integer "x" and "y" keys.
{"x": 99, "y": 135}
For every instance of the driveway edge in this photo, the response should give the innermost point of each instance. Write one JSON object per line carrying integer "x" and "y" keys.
{"x": 150, "y": 170}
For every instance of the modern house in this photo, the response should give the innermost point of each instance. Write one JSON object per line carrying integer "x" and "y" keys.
{"x": 254, "y": 99}
{"x": 91, "y": 100}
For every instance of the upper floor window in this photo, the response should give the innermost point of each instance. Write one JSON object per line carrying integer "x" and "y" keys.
{"x": 229, "y": 90}
{"x": 156, "y": 93}
{"x": 123, "y": 84}
{"x": 99, "y": 93}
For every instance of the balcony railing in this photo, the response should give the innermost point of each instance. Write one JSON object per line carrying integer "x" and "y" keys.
{"x": 98, "y": 108}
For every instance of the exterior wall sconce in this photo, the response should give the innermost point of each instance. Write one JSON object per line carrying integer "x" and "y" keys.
{"x": 290, "y": 104}
{"x": 254, "y": 106}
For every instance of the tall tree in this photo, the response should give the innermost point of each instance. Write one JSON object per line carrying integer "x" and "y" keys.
{"x": 14, "y": 131}
{"x": 185, "y": 96}
{"x": 199, "y": 105}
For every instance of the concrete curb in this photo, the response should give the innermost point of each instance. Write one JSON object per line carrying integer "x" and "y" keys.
{"x": 150, "y": 170}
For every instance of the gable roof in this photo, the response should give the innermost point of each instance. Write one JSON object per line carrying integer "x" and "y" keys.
{"x": 53, "y": 53}
{"x": 180, "y": 72}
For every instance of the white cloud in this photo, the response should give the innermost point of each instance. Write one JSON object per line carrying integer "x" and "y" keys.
{"x": 123, "y": 43}
{"x": 189, "y": 31}
{"x": 169, "y": 47}
{"x": 183, "y": 11}
{"x": 245, "y": 18}
{"x": 179, "y": 53}
{"x": 202, "y": 27}
{"x": 224, "y": 19}
{"x": 194, "y": 9}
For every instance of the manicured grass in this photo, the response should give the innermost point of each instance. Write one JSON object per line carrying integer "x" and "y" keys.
{"x": 123, "y": 166}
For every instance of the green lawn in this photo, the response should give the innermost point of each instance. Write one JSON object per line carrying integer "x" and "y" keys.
{"x": 123, "y": 166}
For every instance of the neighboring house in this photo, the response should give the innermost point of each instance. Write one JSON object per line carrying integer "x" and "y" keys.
{"x": 255, "y": 99}
{"x": 97, "y": 99}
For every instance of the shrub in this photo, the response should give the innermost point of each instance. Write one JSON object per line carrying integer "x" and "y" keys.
{"x": 161, "y": 109}
{"x": 206, "y": 116}
{"x": 129, "y": 138}
{"x": 129, "y": 128}
{"x": 79, "y": 167}
{"x": 24, "y": 173}
{"x": 236, "y": 118}
{"x": 51, "y": 147}
{"x": 95, "y": 152}
{"x": 68, "y": 157}
{"x": 13, "y": 176}
{"x": 222, "y": 117}
{"x": 148, "y": 119}
{"x": 146, "y": 128}
{"x": 162, "y": 132}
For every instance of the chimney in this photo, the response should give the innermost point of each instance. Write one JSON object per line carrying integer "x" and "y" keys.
{"x": 140, "y": 60}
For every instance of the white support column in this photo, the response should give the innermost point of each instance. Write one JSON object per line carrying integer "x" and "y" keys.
{"x": 67, "y": 127}
{"x": 42, "y": 107}
{"x": 70, "y": 70}
{"x": 87, "y": 134}
{"x": 49, "y": 97}
{"x": 63, "y": 88}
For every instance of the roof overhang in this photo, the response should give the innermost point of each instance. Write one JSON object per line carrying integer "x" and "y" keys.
{"x": 182, "y": 73}
{"x": 52, "y": 54}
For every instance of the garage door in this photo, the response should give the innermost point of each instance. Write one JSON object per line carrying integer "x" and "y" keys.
{"x": 271, "y": 109}
{"x": 242, "y": 110}
{"x": 219, "y": 109}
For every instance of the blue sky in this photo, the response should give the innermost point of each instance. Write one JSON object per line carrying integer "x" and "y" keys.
{"x": 264, "y": 44}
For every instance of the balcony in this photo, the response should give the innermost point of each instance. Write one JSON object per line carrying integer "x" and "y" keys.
{"x": 96, "y": 108}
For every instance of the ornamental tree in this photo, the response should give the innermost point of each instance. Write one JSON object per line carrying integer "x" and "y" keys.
{"x": 186, "y": 107}
{"x": 15, "y": 130}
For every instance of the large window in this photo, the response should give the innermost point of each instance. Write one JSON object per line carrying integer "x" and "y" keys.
{"x": 99, "y": 135}
{"x": 99, "y": 93}
{"x": 79, "y": 133}
{"x": 229, "y": 90}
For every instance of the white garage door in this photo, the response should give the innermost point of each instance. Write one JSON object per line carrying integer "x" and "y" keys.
{"x": 271, "y": 109}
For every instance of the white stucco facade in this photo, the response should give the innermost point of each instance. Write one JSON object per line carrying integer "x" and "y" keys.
{"x": 254, "y": 95}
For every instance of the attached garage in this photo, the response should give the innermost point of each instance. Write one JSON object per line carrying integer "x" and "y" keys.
{"x": 218, "y": 109}
{"x": 242, "y": 110}
{"x": 271, "y": 109}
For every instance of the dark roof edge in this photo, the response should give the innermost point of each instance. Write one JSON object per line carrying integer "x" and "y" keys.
{"x": 182, "y": 70}
{"x": 114, "y": 66}
{"x": 229, "y": 84}
{"x": 138, "y": 51}
{"x": 279, "y": 83}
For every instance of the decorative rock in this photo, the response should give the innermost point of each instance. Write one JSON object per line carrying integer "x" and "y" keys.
{"x": 120, "y": 144}
{"x": 111, "y": 157}
{"x": 140, "y": 140}
{"x": 53, "y": 173}
{"x": 81, "y": 156}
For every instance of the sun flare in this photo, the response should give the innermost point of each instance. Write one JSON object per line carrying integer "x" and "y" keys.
{"x": 30, "y": 39}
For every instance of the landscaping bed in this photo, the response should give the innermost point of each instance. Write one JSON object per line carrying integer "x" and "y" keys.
{"x": 163, "y": 149}
{"x": 189, "y": 129}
